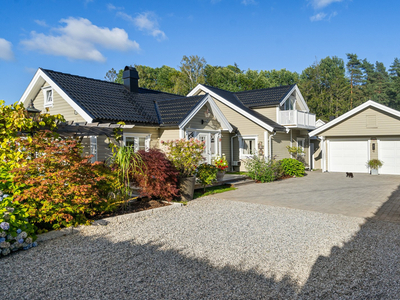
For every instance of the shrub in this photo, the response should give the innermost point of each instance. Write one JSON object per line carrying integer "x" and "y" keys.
{"x": 221, "y": 163}
{"x": 16, "y": 232}
{"x": 292, "y": 167}
{"x": 62, "y": 188}
{"x": 186, "y": 155}
{"x": 263, "y": 170}
{"x": 159, "y": 177}
{"x": 206, "y": 174}
{"x": 375, "y": 163}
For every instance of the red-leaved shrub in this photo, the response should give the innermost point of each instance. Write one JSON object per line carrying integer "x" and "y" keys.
{"x": 159, "y": 177}
{"x": 59, "y": 186}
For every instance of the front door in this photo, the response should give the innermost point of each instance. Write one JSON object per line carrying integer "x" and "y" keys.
{"x": 205, "y": 137}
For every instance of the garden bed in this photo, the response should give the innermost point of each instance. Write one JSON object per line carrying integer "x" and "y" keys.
{"x": 140, "y": 204}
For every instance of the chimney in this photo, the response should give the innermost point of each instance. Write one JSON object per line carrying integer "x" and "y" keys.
{"x": 131, "y": 79}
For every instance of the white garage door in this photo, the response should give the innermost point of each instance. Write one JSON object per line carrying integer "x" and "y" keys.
{"x": 348, "y": 156}
{"x": 389, "y": 153}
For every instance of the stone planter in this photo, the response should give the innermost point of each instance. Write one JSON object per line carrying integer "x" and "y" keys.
{"x": 187, "y": 188}
{"x": 220, "y": 175}
{"x": 374, "y": 172}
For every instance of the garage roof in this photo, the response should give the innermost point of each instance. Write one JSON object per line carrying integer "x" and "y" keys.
{"x": 351, "y": 113}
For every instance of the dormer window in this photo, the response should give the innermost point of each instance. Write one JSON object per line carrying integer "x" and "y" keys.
{"x": 48, "y": 96}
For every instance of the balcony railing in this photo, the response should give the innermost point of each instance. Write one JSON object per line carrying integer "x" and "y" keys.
{"x": 296, "y": 118}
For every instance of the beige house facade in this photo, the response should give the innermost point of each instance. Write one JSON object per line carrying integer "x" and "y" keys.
{"x": 369, "y": 131}
{"x": 237, "y": 125}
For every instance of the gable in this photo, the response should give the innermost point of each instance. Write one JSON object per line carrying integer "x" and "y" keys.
{"x": 368, "y": 122}
{"x": 60, "y": 105}
{"x": 200, "y": 121}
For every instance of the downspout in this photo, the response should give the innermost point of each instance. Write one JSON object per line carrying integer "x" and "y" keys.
{"x": 235, "y": 136}
{"x": 270, "y": 144}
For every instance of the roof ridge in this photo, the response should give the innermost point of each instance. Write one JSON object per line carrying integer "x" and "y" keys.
{"x": 275, "y": 87}
{"x": 104, "y": 81}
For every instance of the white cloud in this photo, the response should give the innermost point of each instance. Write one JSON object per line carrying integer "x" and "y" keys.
{"x": 79, "y": 39}
{"x": 41, "y": 23}
{"x": 146, "y": 22}
{"x": 247, "y": 2}
{"x": 317, "y": 4}
{"x": 318, "y": 17}
{"x": 6, "y": 52}
{"x": 111, "y": 7}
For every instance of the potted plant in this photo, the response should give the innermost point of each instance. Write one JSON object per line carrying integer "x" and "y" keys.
{"x": 222, "y": 164}
{"x": 185, "y": 155}
{"x": 375, "y": 164}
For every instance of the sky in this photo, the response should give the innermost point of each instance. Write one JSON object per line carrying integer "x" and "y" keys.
{"x": 89, "y": 37}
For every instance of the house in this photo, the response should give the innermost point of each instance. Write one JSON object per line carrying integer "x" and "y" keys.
{"x": 237, "y": 124}
{"x": 369, "y": 131}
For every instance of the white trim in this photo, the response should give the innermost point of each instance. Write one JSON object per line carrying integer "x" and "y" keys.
{"x": 93, "y": 149}
{"x": 200, "y": 87}
{"x": 147, "y": 140}
{"x": 354, "y": 111}
{"x": 34, "y": 86}
{"x": 45, "y": 91}
{"x": 244, "y": 137}
{"x": 215, "y": 109}
{"x": 266, "y": 146}
{"x": 302, "y": 102}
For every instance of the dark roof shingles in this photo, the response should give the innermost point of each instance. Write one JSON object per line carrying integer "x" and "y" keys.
{"x": 173, "y": 111}
{"x": 104, "y": 100}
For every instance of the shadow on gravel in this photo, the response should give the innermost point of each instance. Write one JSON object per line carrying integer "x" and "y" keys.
{"x": 367, "y": 267}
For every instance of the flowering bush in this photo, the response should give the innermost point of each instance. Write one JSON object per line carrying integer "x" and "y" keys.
{"x": 206, "y": 174}
{"x": 62, "y": 188}
{"x": 16, "y": 232}
{"x": 159, "y": 176}
{"x": 185, "y": 155}
{"x": 221, "y": 163}
{"x": 262, "y": 169}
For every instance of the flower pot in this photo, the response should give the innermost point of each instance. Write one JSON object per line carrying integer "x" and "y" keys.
{"x": 220, "y": 175}
{"x": 187, "y": 188}
{"x": 374, "y": 172}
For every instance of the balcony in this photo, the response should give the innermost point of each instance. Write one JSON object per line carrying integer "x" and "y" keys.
{"x": 296, "y": 119}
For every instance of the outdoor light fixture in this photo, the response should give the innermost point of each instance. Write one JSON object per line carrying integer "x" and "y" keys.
{"x": 33, "y": 112}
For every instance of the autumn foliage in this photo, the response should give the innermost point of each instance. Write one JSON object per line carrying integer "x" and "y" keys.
{"x": 158, "y": 178}
{"x": 61, "y": 187}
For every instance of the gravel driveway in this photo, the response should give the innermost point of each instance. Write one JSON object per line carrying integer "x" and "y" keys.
{"x": 213, "y": 249}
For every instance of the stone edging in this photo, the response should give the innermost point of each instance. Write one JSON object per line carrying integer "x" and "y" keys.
{"x": 103, "y": 222}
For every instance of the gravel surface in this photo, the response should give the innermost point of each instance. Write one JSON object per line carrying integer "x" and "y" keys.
{"x": 213, "y": 249}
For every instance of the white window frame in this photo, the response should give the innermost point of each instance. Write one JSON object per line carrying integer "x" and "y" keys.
{"x": 93, "y": 147}
{"x": 241, "y": 145}
{"x": 303, "y": 140}
{"x": 136, "y": 137}
{"x": 46, "y": 90}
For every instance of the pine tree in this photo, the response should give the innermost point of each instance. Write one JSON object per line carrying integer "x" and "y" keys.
{"x": 354, "y": 67}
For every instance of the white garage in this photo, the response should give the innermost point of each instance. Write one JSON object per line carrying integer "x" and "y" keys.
{"x": 368, "y": 132}
{"x": 348, "y": 156}
{"x": 389, "y": 154}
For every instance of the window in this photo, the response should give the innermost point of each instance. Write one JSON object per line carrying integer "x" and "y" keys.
{"x": 248, "y": 146}
{"x": 48, "y": 96}
{"x": 93, "y": 148}
{"x": 301, "y": 144}
{"x": 139, "y": 141}
{"x": 289, "y": 104}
